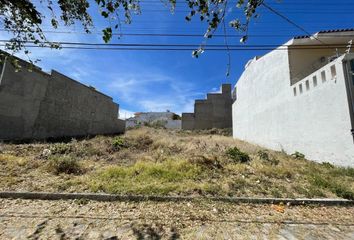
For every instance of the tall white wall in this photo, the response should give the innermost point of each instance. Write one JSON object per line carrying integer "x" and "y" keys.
{"x": 316, "y": 122}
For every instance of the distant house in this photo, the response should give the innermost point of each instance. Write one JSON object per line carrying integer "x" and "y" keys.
{"x": 212, "y": 112}
{"x": 166, "y": 119}
{"x": 299, "y": 97}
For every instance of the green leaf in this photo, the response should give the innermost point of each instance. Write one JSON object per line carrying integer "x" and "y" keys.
{"x": 107, "y": 34}
{"x": 104, "y": 14}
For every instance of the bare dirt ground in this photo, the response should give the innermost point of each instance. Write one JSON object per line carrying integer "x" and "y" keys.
{"x": 28, "y": 219}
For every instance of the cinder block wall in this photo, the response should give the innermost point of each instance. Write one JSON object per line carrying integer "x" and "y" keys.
{"x": 37, "y": 105}
{"x": 213, "y": 112}
{"x": 188, "y": 121}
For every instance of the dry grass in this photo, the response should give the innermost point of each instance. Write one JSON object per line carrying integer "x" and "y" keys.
{"x": 158, "y": 161}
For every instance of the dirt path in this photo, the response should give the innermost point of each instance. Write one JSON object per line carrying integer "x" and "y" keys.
{"x": 27, "y": 219}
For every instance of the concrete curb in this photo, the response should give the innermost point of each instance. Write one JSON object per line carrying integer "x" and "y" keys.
{"x": 139, "y": 198}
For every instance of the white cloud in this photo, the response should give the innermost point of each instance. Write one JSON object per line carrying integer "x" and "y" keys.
{"x": 154, "y": 91}
{"x": 124, "y": 114}
{"x": 215, "y": 90}
{"x": 131, "y": 86}
{"x": 158, "y": 106}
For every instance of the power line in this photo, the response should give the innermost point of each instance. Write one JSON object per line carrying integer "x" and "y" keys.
{"x": 156, "y": 34}
{"x": 285, "y": 18}
{"x": 177, "y": 34}
{"x": 258, "y": 28}
{"x": 176, "y": 49}
{"x": 308, "y": 46}
{"x": 290, "y": 21}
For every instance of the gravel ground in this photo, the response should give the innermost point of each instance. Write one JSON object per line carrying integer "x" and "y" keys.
{"x": 79, "y": 219}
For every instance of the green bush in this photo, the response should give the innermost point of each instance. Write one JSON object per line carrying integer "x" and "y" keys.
{"x": 327, "y": 165}
{"x": 298, "y": 155}
{"x": 61, "y": 148}
{"x": 263, "y": 155}
{"x": 342, "y": 171}
{"x": 118, "y": 143}
{"x": 176, "y": 117}
{"x": 238, "y": 156}
{"x": 64, "y": 164}
{"x": 337, "y": 188}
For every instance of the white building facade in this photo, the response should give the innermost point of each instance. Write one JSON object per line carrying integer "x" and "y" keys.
{"x": 167, "y": 120}
{"x": 299, "y": 97}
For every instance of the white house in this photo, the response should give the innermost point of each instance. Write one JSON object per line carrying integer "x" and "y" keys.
{"x": 166, "y": 119}
{"x": 299, "y": 97}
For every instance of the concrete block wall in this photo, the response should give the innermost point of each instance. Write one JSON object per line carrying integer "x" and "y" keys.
{"x": 213, "y": 112}
{"x": 173, "y": 124}
{"x": 188, "y": 121}
{"x": 37, "y": 105}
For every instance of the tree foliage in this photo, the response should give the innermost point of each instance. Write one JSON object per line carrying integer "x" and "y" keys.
{"x": 23, "y": 19}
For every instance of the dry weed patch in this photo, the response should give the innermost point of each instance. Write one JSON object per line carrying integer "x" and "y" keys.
{"x": 159, "y": 161}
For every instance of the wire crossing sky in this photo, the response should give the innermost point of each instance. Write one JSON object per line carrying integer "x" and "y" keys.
{"x": 148, "y": 65}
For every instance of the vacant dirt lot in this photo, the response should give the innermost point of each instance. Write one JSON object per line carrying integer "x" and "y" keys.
{"x": 164, "y": 162}
{"x": 26, "y": 219}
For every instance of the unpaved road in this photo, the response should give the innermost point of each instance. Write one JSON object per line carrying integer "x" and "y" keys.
{"x": 28, "y": 219}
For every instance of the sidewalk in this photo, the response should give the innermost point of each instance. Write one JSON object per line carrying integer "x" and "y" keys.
{"x": 79, "y": 219}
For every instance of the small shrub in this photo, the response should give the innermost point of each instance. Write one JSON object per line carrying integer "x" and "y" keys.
{"x": 342, "y": 171}
{"x": 298, "y": 155}
{"x": 339, "y": 189}
{"x": 176, "y": 117}
{"x": 61, "y": 148}
{"x": 276, "y": 193}
{"x": 342, "y": 192}
{"x": 319, "y": 181}
{"x": 64, "y": 164}
{"x": 238, "y": 156}
{"x": 264, "y": 156}
{"x": 87, "y": 149}
{"x": 206, "y": 161}
{"x": 118, "y": 143}
{"x": 327, "y": 165}
{"x": 143, "y": 142}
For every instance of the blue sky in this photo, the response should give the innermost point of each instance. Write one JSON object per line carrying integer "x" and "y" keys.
{"x": 161, "y": 80}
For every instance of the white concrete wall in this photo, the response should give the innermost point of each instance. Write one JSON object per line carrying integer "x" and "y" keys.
{"x": 315, "y": 123}
{"x": 164, "y": 118}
